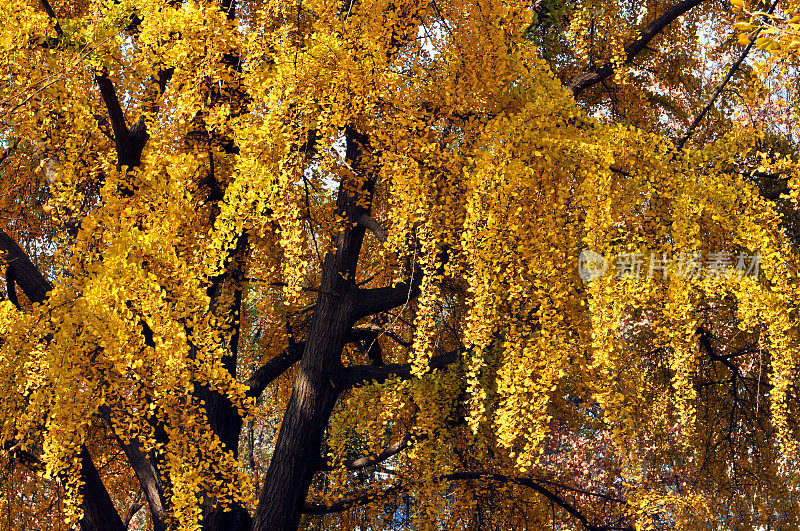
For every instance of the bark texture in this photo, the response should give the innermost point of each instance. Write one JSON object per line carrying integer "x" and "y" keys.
{"x": 317, "y": 387}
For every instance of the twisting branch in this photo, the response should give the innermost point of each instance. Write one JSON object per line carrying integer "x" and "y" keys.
{"x": 593, "y": 76}
{"x": 705, "y": 341}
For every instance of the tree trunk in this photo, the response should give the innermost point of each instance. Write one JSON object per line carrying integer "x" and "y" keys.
{"x": 297, "y": 451}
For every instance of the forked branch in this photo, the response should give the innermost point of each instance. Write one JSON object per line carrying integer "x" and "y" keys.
{"x": 595, "y": 75}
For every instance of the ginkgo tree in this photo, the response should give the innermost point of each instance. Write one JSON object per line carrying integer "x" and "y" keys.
{"x": 323, "y": 265}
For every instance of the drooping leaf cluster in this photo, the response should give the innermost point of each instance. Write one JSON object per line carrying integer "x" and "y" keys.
{"x": 176, "y": 170}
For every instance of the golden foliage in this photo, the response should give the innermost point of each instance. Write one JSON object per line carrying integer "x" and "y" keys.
{"x": 673, "y": 397}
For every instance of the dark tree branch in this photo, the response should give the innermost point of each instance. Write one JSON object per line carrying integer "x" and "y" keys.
{"x": 315, "y": 391}
{"x": 50, "y": 13}
{"x": 115, "y": 114}
{"x": 377, "y": 300}
{"x": 373, "y": 351}
{"x": 229, "y": 8}
{"x": 103, "y": 124}
{"x": 146, "y": 473}
{"x": 11, "y": 288}
{"x": 369, "y": 222}
{"x": 776, "y": 194}
{"x": 593, "y": 76}
{"x": 561, "y": 486}
{"x": 705, "y": 341}
{"x": 99, "y": 513}
{"x": 272, "y": 369}
{"x": 532, "y": 484}
{"x": 371, "y": 332}
{"x": 135, "y": 508}
{"x": 25, "y": 273}
{"x": 371, "y": 460}
{"x": 734, "y": 67}
{"x": 223, "y": 418}
{"x": 32, "y": 462}
{"x": 366, "y": 338}
{"x": 129, "y": 142}
{"x": 368, "y": 497}
{"x": 361, "y": 374}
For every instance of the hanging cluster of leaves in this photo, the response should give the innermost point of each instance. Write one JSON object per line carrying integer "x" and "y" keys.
{"x": 322, "y": 264}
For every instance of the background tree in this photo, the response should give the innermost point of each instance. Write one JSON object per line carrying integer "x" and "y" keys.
{"x": 275, "y": 265}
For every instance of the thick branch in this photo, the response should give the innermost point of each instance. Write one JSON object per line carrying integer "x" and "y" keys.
{"x": 372, "y": 460}
{"x": 50, "y": 13}
{"x": 776, "y": 194}
{"x": 129, "y": 142}
{"x": 25, "y": 273}
{"x": 377, "y": 300}
{"x": 271, "y": 370}
{"x": 369, "y": 222}
{"x": 98, "y": 510}
{"x": 315, "y": 392}
{"x": 11, "y": 288}
{"x": 593, "y": 76}
{"x": 115, "y": 114}
{"x": 361, "y": 374}
{"x": 145, "y": 472}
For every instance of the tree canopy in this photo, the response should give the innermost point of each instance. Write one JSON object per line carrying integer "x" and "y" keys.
{"x": 399, "y": 264}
